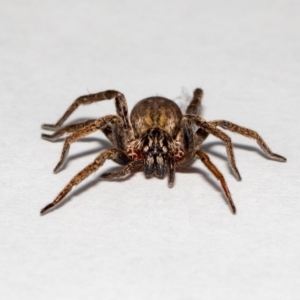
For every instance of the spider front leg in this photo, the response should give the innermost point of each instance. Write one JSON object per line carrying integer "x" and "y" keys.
{"x": 80, "y": 133}
{"x": 211, "y": 129}
{"x": 67, "y": 129}
{"x": 120, "y": 103}
{"x": 91, "y": 168}
{"x": 207, "y": 162}
{"x": 250, "y": 134}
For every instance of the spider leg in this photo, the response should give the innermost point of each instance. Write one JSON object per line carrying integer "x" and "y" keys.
{"x": 200, "y": 137}
{"x": 91, "y": 168}
{"x": 207, "y": 162}
{"x": 123, "y": 172}
{"x": 211, "y": 129}
{"x": 186, "y": 135}
{"x": 120, "y": 103}
{"x": 114, "y": 131}
{"x": 250, "y": 134}
{"x": 80, "y": 133}
{"x": 67, "y": 129}
{"x": 171, "y": 171}
{"x": 193, "y": 107}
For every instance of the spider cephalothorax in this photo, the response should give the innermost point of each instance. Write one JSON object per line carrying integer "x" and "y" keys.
{"x": 156, "y": 137}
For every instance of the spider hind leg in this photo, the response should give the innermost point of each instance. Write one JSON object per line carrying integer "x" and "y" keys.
{"x": 88, "y": 170}
{"x": 214, "y": 170}
{"x": 249, "y": 134}
{"x": 195, "y": 104}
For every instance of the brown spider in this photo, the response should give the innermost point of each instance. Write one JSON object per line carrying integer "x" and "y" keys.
{"x": 157, "y": 136}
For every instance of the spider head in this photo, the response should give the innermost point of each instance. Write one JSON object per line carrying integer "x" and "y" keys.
{"x": 155, "y": 146}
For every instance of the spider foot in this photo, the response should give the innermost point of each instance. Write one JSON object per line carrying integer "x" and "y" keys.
{"x": 46, "y": 208}
{"x": 63, "y": 159}
{"x": 279, "y": 157}
{"x": 236, "y": 174}
{"x": 230, "y": 202}
{"x": 48, "y": 137}
{"x": 58, "y": 167}
{"x": 49, "y": 126}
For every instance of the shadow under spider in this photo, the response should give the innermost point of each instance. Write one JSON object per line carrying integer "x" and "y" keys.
{"x": 206, "y": 148}
{"x": 207, "y": 176}
{"x": 91, "y": 183}
{"x": 106, "y": 144}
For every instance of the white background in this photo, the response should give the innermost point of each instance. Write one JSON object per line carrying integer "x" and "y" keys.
{"x": 138, "y": 239}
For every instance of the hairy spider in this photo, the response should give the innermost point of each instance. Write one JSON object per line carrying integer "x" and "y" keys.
{"x": 156, "y": 137}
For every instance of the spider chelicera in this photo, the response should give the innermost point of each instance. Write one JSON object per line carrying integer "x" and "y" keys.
{"x": 156, "y": 137}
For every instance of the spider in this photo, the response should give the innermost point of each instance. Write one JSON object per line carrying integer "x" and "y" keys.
{"x": 157, "y": 137}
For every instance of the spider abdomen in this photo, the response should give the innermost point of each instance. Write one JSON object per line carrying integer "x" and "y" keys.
{"x": 156, "y": 112}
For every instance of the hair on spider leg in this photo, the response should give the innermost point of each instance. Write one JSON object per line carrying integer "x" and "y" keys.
{"x": 156, "y": 137}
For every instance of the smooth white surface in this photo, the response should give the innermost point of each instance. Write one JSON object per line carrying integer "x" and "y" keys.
{"x": 138, "y": 239}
